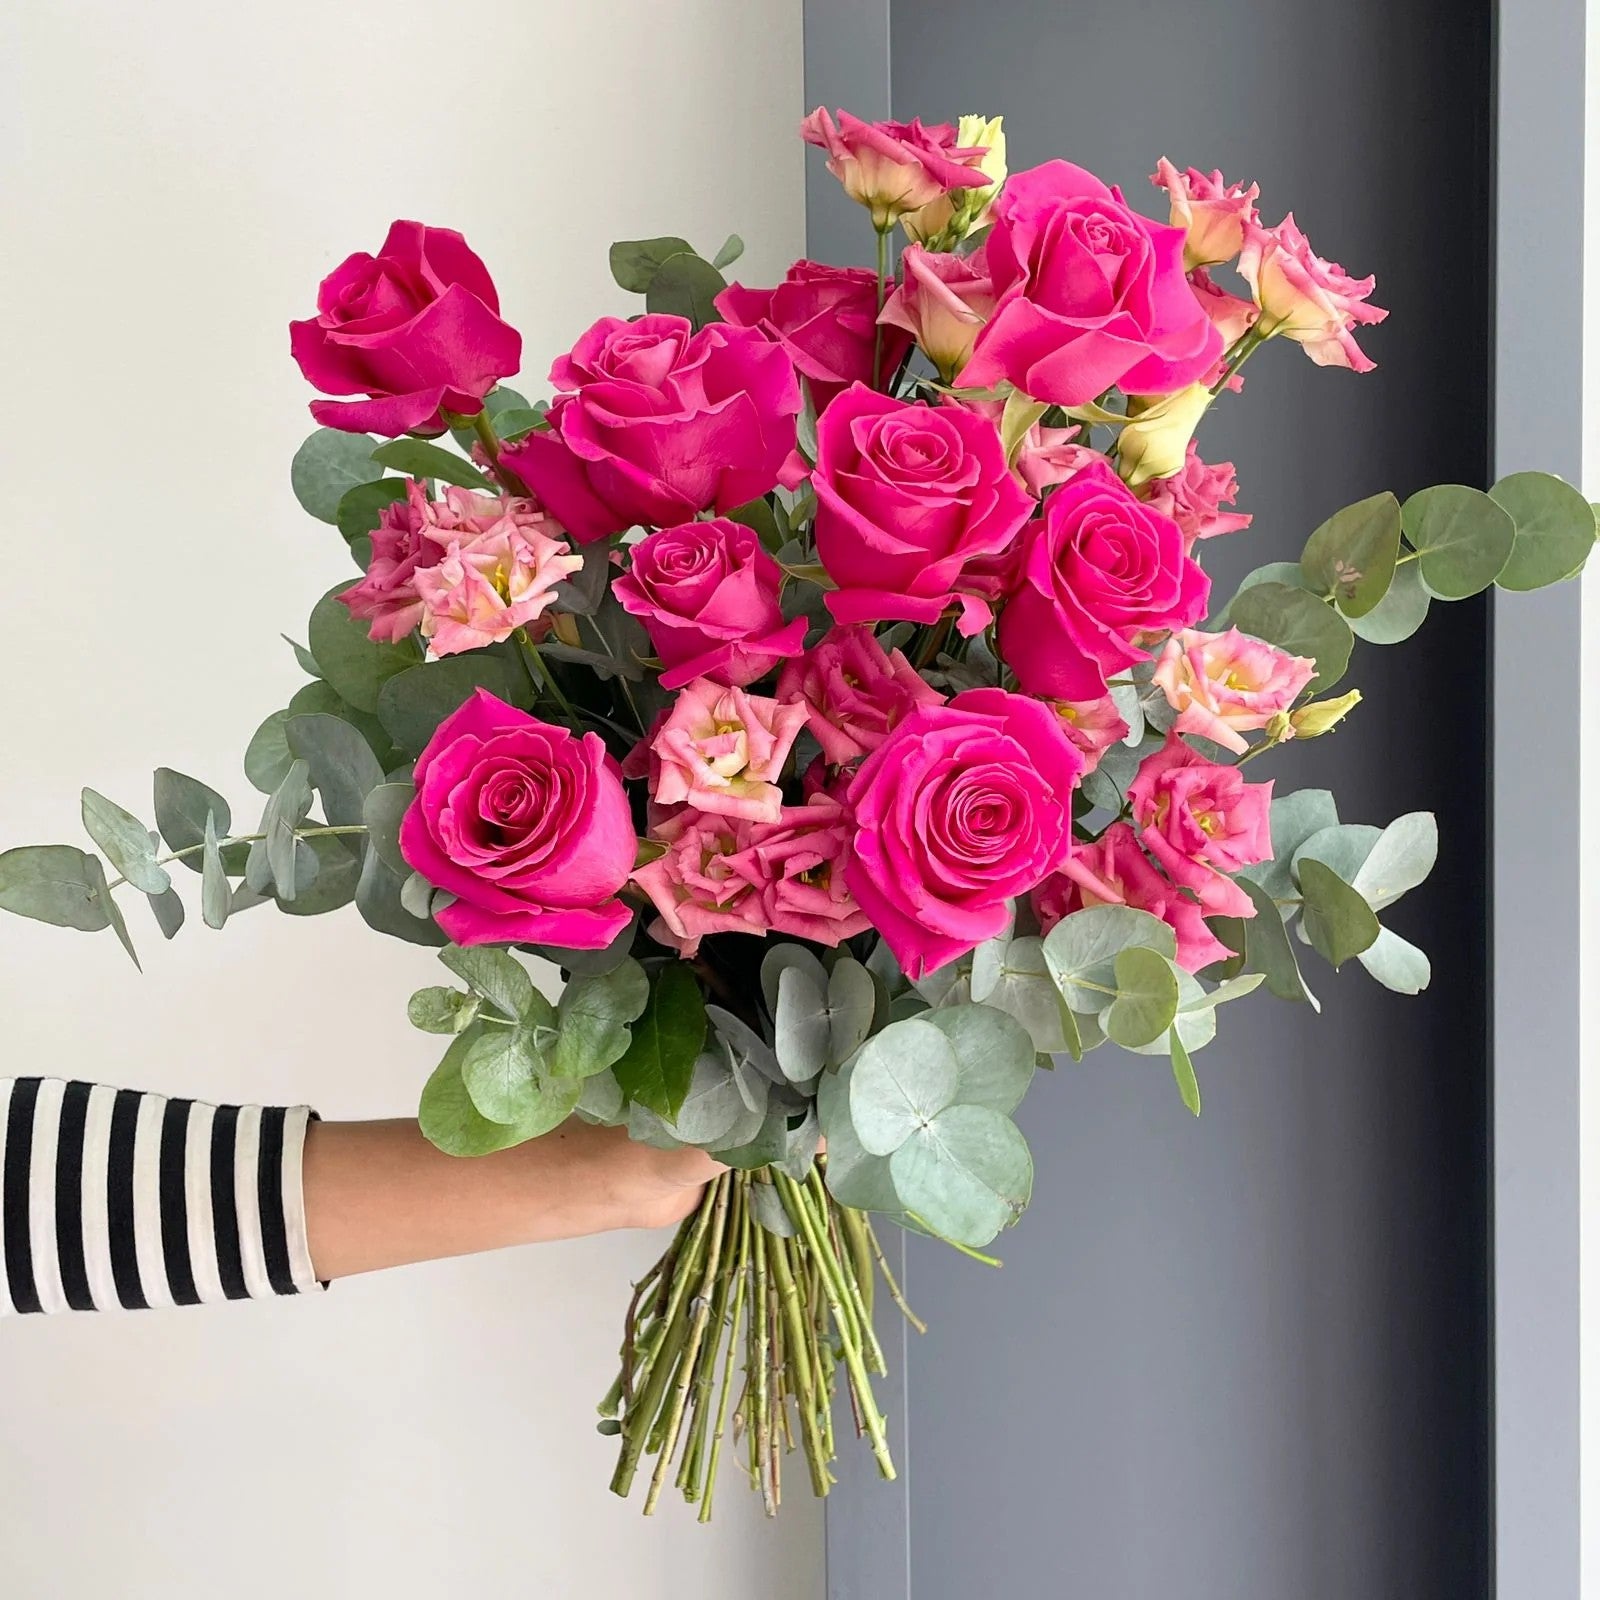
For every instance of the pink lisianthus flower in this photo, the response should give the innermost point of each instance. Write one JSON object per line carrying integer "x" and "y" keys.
{"x": 797, "y": 867}
{"x": 1194, "y": 497}
{"x": 386, "y": 598}
{"x": 1213, "y": 212}
{"x": 1224, "y": 685}
{"x": 960, "y": 810}
{"x": 1302, "y": 297}
{"x": 1115, "y": 871}
{"x": 854, "y": 691}
{"x": 823, "y": 319}
{"x": 942, "y": 302}
{"x": 1202, "y": 822}
{"x": 526, "y": 824}
{"x": 722, "y": 750}
{"x": 707, "y": 594}
{"x": 1093, "y": 726}
{"x": 893, "y": 167}
{"x": 1045, "y": 456}
{"x": 695, "y": 886}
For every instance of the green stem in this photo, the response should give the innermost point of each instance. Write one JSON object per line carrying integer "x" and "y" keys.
{"x": 890, "y": 1279}
{"x": 249, "y": 838}
{"x": 956, "y": 1244}
{"x": 877, "y": 327}
{"x": 741, "y": 1272}
{"x": 542, "y": 667}
{"x": 799, "y": 1363}
{"x": 1251, "y": 341}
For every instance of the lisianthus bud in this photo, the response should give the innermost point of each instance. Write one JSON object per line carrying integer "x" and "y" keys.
{"x": 893, "y": 167}
{"x": 1321, "y": 716}
{"x": 1156, "y": 445}
{"x": 944, "y": 222}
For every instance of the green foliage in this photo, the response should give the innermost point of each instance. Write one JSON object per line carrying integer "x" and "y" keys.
{"x": 1401, "y": 611}
{"x": 327, "y": 467}
{"x": 903, "y": 1078}
{"x": 1146, "y": 1004}
{"x": 378, "y": 901}
{"x": 1011, "y": 976}
{"x": 594, "y": 1019}
{"x": 494, "y": 975}
{"x": 55, "y": 883}
{"x": 966, "y": 1174}
{"x": 1295, "y": 817}
{"x": 1080, "y": 952}
{"x": 1351, "y": 557}
{"x": 1183, "y": 1074}
{"x": 267, "y": 758}
{"x": 412, "y": 702}
{"x": 382, "y": 812}
{"x": 216, "y": 895}
{"x": 635, "y": 262}
{"x": 1338, "y": 922}
{"x": 356, "y": 666}
{"x": 1298, "y": 622}
{"x": 361, "y": 509}
{"x": 730, "y": 250}
{"x": 182, "y": 805}
{"x": 684, "y": 285}
{"x": 1462, "y": 539}
{"x": 342, "y": 767}
{"x": 1555, "y": 529}
{"x": 994, "y": 1054}
{"x": 505, "y": 408}
{"x": 416, "y": 458}
{"x": 125, "y": 841}
{"x": 656, "y": 1069}
{"x": 447, "y": 1116}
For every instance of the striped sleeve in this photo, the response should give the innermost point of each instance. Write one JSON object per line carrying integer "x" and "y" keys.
{"x": 114, "y": 1198}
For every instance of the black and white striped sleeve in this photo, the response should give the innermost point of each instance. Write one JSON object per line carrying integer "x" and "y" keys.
{"x": 114, "y": 1198}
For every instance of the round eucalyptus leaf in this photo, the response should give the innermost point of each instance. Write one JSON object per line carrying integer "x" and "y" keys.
{"x": 361, "y": 509}
{"x": 684, "y": 285}
{"x": 1080, "y": 951}
{"x": 746, "y": 1047}
{"x": 125, "y": 841}
{"x": 327, "y": 467}
{"x": 1294, "y": 818}
{"x": 55, "y": 883}
{"x": 1020, "y": 985}
{"x": 267, "y": 758}
{"x": 782, "y": 956}
{"x": 1337, "y": 921}
{"x": 1287, "y": 573}
{"x": 1298, "y": 622}
{"x": 768, "y": 1210}
{"x": 994, "y": 1053}
{"x": 852, "y": 999}
{"x": 800, "y": 1026}
{"x": 182, "y": 804}
{"x": 903, "y": 1078}
{"x": 593, "y": 1018}
{"x": 855, "y": 1177}
{"x": 355, "y": 666}
{"x": 378, "y": 901}
{"x": 498, "y": 976}
{"x": 966, "y": 1174}
{"x": 601, "y": 1099}
{"x": 343, "y": 767}
{"x": 1195, "y": 1021}
{"x": 413, "y": 702}
{"x": 1396, "y": 963}
{"x": 447, "y": 1116}
{"x": 334, "y": 876}
{"x": 501, "y": 1072}
{"x": 440, "y": 1009}
{"x": 1183, "y": 1074}
{"x": 1401, "y": 611}
{"x": 1555, "y": 529}
{"x": 1147, "y": 999}
{"x": 713, "y": 1104}
{"x": 1402, "y": 857}
{"x": 1462, "y": 538}
{"x": 1344, "y": 848}
{"x": 382, "y": 811}
{"x": 1351, "y": 556}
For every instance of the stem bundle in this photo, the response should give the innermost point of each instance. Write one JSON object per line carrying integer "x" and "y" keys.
{"x": 800, "y": 1301}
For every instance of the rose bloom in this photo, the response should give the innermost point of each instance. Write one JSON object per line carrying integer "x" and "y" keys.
{"x": 942, "y": 302}
{"x": 1202, "y": 822}
{"x": 694, "y": 885}
{"x": 1090, "y": 294}
{"x": 1093, "y": 726}
{"x": 1212, "y": 212}
{"x": 893, "y": 167}
{"x": 1223, "y": 685}
{"x": 796, "y": 866}
{"x": 415, "y": 328}
{"x": 658, "y": 423}
{"x": 722, "y": 750}
{"x": 855, "y": 692}
{"x": 1194, "y": 497}
{"x": 1314, "y": 302}
{"x": 909, "y": 498}
{"x": 960, "y": 810}
{"x": 707, "y": 594}
{"x": 1100, "y": 573}
{"x": 822, "y": 318}
{"x": 526, "y": 824}
{"x": 1114, "y": 871}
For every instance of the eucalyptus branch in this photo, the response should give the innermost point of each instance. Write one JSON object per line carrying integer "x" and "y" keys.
{"x": 319, "y": 832}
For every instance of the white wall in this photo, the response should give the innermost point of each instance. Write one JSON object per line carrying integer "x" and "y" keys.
{"x": 175, "y": 179}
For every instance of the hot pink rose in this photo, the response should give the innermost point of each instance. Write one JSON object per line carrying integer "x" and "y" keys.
{"x": 893, "y": 167}
{"x": 1211, "y": 211}
{"x": 1093, "y": 726}
{"x": 909, "y": 497}
{"x": 1101, "y": 573}
{"x": 722, "y": 750}
{"x": 822, "y": 318}
{"x": 1202, "y": 822}
{"x": 660, "y": 423}
{"x": 960, "y": 810}
{"x": 1223, "y": 685}
{"x": 1314, "y": 302}
{"x": 695, "y": 886}
{"x": 526, "y": 824}
{"x": 797, "y": 867}
{"x": 1091, "y": 294}
{"x": 708, "y": 596}
{"x": 942, "y": 302}
{"x": 415, "y": 328}
{"x": 1114, "y": 871}
{"x": 1195, "y": 496}
{"x": 855, "y": 692}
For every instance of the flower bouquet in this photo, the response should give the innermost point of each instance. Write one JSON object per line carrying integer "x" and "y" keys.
{"x": 825, "y": 680}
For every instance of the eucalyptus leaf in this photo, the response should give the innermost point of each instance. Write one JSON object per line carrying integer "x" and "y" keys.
{"x": 1462, "y": 538}
{"x": 1401, "y": 611}
{"x": 216, "y": 896}
{"x": 441, "y": 1009}
{"x": 126, "y": 843}
{"x": 994, "y": 1053}
{"x": 355, "y": 666}
{"x": 327, "y": 467}
{"x": 1338, "y": 922}
{"x": 1351, "y": 557}
{"x": 1016, "y": 981}
{"x": 903, "y": 1078}
{"x": 342, "y": 766}
{"x": 504, "y": 407}
{"x": 55, "y": 883}
{"x": 286, "y": 809}
{"x": 852, "y": 1000}
{"x": 502, "y": 1074}
{"x": 593, "y": 1018}
{"x": 1555, "y": 529}
{"x": 601, "y": 1099}
{"x": 167, "y": 908}
{"x": 1396, "y": 963}
{"x": 1183, "y": 1073}
{"x": 114, "y": 915}
{"x": 800, "y": 1026}
{"x": 730, "y": 250}
{"x": 413, "y": 702}
{"x": 1402, "y": 857}
{"x": 499, "y": 977}
{"x": 327, "y": 875}
{"x": 1295, "y": 817}
{"x": 447, "y": 1116}
{"x": 745, "y": 1046}
{"x": 769, "y": 1212}
{"x": 592, "y": 963}
{"x": 1080, "y": 951}
{"x": 267, "y": 758}
{"x": 361, "y": 509}
{"x": 1287, "y": 573}
{"x": 382, "y": 811}
{"x": 966, "y": 1174}
{"x": 713, "y": 1107}
{"x": 378, "y": 901}
{"x": 634, "y": 262}
{"x": 1297, "y": 622}
{"x": 777, "y": 959}
{"x": 1344, "y": 848}
{"x": 416, "y": 895}
{"x": 684, "y": 285}
{"x": 1268, "y": 951}
{"x": 854, "y": 1176}
{"x": 182, "y": 805}
{"x": 1147, "y": 998}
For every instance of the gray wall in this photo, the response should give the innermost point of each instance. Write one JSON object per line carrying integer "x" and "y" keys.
{"x": 1247, "y": 1358}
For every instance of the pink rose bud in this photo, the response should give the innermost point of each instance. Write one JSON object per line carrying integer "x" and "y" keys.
{"x": 822, "y": 317}
{"x": 1113, "y": 871}
{"x": 1314, "y": 302}
{"x": 658, "y": 423}
{"x": 911, "y": 500}
{"x": 526, "y": 824}
{"x": 893, "y": 167}
{"x": 1194, "y": 497}
{"x": 707, "y": 594}
{"x": 1093, "y": 726}
{"x": 1223, "y": 685}
{"x": 960, "y": 810}
{"x": 695, "y": 886}
{"x": 722, "y": 750}
{"x": 1212, "y": 211}
{"x": 1090, "y": 294}
{"x": 855, "y": 693}
{"x": 797, "y": 865}
{"x": 1202, "y": 822}
{"x": 1101, "y": 573}
{"x": 415, "y": 328}
{"x": 942, "y": 302}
